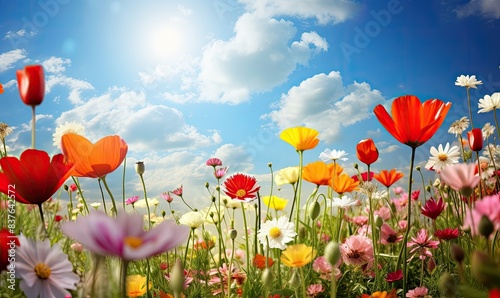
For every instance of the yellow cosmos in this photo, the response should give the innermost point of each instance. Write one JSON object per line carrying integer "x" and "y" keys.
{"x": 136, "y": 285}
{"x": 301, "y": 138}
{"x": 275, "y": 202}
{"x": 297, "y": 255}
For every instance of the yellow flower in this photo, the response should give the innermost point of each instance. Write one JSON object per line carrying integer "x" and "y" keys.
{"x": 302, "y": 138}
{"x": 275, "y": 202}
{"x": 298, "y": 255}
{"x": 136, "y": 285}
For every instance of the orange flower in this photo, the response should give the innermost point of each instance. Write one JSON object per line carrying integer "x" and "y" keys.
{"x": 93, "y": 160}
{"x": 412, "y": 122}
{"x": 320, "y": 173}
{"x": 366, "y": 151}
{"x": 388, "y": 178}
{"x": 302, "y": 138}
{"x": 343, "y": 183}
{"x": 262, "y": 262}
{"x": 1, "y": 89}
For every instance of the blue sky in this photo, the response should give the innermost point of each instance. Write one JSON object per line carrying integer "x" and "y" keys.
{"x": 182, "y": 81}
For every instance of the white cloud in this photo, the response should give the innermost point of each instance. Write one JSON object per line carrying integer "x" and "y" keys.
{"x": 256, "y": 59}
{"x": 389, "y": 149}
{"x": 55, "y": 65}
{"x": 19, "y": 36}
{"x": 8, "y": 59}
{"x": 324, "y": 103}
{"x": 486, "y": 8}
{"x": 325, "y": 11}
{"x": 75, "y": 86}
{"x": 144, "y": 127}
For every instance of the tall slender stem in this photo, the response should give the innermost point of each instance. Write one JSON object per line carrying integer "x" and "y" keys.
{"x": 123, "y": 182}
{"x": 146, "y": 199}
{"x": 247, "y": 246}
{"x": 103, "y": 178}
{"x": 299, "y": 190}
{"x": 470, "y": 108}
{"x": 33, "y": 127}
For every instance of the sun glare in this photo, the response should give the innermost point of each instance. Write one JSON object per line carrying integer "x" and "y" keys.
{"x": 164, "y": 42}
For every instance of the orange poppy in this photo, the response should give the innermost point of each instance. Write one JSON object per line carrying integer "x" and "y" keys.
{"x": 413, "y": 123}
{"x": 301, "y": 138}
{"x": 320, "y": 173}
{"x": 343, "y": 183}
{"x": 388, "y": 178}
{"x": 366, "y": 151}
{"x": 93, "y": 160}
{"x": 1, "y": 89}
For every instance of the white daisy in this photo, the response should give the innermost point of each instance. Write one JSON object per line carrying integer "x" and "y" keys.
{"x": 328, "y": 155}
{"x": 468, "y": 81}
{"x": 278, "y": 232}
{"x": 442, "y": 157}
{"x": 487, "y": 130}
{"x": 343, "y": 202}
{"x": 44, "y": 271}
{"x": 67, "y": 127}
{"x": 459, "y": 126}
{"x": 489, "y": 103}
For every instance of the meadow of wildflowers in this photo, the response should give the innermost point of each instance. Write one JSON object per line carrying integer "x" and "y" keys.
{"x": 352, "y": 236}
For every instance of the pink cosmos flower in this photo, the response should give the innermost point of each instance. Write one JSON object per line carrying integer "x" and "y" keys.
{"x": 489, "y": 206}
{"x": 188, "y": 279}
{"x": 213, "y": 162}
{"x": 421, "y": 244}
{"x": 222, "y": 274}
{"x": 388, "y": 235}
{"x": 220, "y": 172}
{"x": 166, "y": 195}
{"x": 357, "y": 250}
{"x": 432, "y": 208}
{"x": 177, "y": 191}
{"x": 461, "y": 177}
{"x": 325, "y": 269}
{"x": 360, "y": 220}
{"x": 124, "y": 236}
{"x": 132, "y": 200}
{"x": 419, "y": 292}
{"x": 314, "y": 290}
{"x": 394, "y": 276}
{"x": 384, "y": 213}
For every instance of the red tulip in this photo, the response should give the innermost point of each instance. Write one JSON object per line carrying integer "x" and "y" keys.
{"x": 31, "y": 82}
{"x": 366, "y": 151}
{"x": 475, "y": 137}
{"x": 33, "y": 178}
{"x": 413, "y": 123}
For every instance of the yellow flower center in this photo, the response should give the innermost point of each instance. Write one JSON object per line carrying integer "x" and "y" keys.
{"x": 241, "y": 193}
{"x": 42, "y": 271}
{"x": 133, "y": 242}
{"x": 274, "y": 232}
{"x": 442, "y": 157}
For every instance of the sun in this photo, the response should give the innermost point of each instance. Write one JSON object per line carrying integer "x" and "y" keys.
{"x": 164, "y": 42}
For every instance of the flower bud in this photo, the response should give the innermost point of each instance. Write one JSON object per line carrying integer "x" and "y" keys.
{"x": 332, "y": 252}
{"x": 475, "y": 137}
{"x": 139, "y": 167}
{"x": 378, "y": 221}
{"x": 207, "y": 185}
{"x": 177, "y": 278}
{"x": 457, "y": 253}
{"x": 314, "y": 210}
{"x": 295, "y": 280}
{"x": 485, "y": 226}
{"x": 31, "y": 83}
{"x": 233, "y": 233}
{"x": 366, "y": 151}
{"x": 267, "y": 278}
{"x": 66, "y": 188}
{"x": 302, "y": 233}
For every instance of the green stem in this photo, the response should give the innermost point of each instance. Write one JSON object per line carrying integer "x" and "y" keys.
{"x": 247, "y": 247}
{"x": 77, "y": 183}
{"x": 479, "y": 173}
{"x": 124, "y": 278}
{"x": 123, "y": 182}
{"x": 470, "y": 108}
{"x": 103, "y": 178}
{"x": 102, "y": 196}
{"x": 299, "y": 190}
{"x": 146, "y": 199}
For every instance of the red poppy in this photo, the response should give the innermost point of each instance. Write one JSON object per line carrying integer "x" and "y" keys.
{"x": 33, "y": 178}
{"x": 58, "y": 218}
{"x": 8, "y": 241}
{"x": 261, "y": 262}
{"x": 366, "y": 151}
{"x": 447, "y": 234}
{"x": 412, "y": 122}
{"x": 241, "y": 187}
{"x": 31, "y": 82}
{"x": 1, "y": 89}
{"x": 364, "y": 176}
{"x": 394, "y": 276}
{"x": 388, "y": 178}
{"x": 475, "y": 137}
{"x": 494, "y": 293}
{"x": 93, "y": 160}
{"x": 432, "y": 208}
